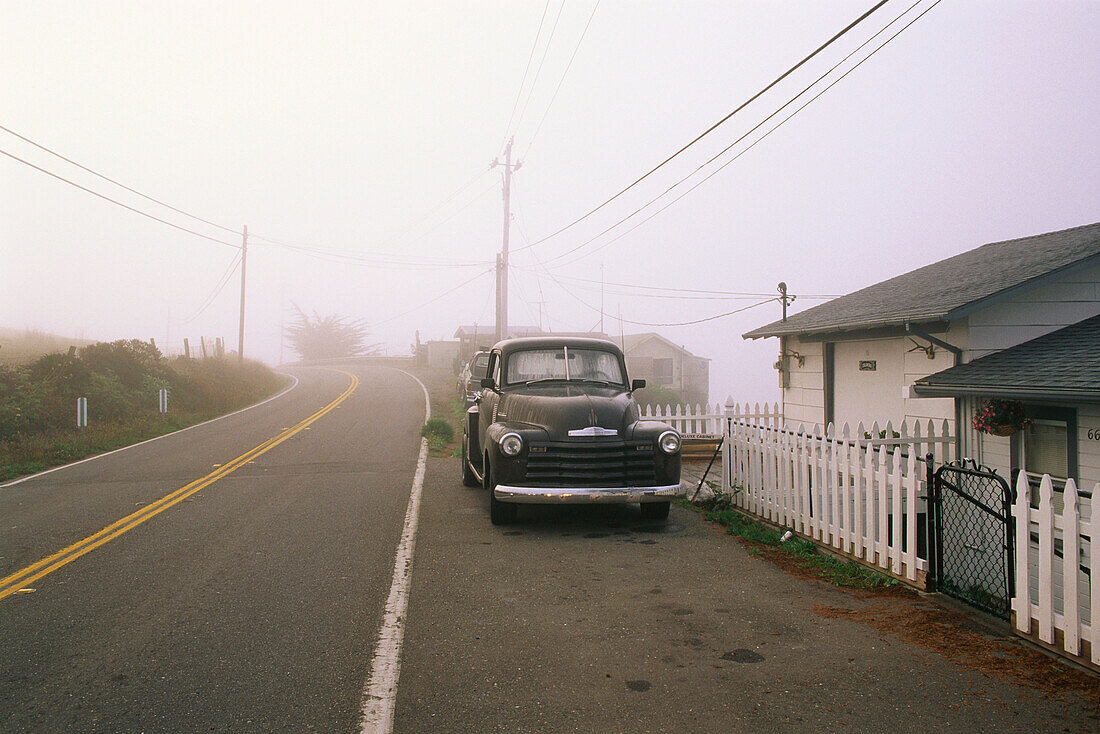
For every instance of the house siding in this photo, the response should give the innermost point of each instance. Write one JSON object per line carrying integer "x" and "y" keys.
{"x": 804, "y": 400}
{"x": 868, "y": 395}
{"x": 918, "y": 365}
{"x": 1039, "y": 311}
{"x": 862, "y": 396}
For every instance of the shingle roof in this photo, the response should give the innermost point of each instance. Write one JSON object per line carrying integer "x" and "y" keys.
{"x": 1063, "y": 364}
{"x": 632, "y": 341}
{"x": 938, "y": 292}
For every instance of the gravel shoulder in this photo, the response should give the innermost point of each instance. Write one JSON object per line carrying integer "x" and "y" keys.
{"x": 591, "y": 619}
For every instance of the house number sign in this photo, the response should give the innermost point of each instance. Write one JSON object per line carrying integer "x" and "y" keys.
{"x": 867, "y": 365}
{"x": 1094, "y": 434}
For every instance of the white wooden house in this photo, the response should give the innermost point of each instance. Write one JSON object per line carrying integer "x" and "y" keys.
{"x": 856, "y": 358}
{"x": 1016, "y": 320}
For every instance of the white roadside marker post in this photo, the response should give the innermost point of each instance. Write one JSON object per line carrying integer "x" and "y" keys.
{"x": 82, "y": 413}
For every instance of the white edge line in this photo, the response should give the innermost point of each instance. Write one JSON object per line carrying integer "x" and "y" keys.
{"x": 155, "y": 438}
{"x": 380, "y": 694}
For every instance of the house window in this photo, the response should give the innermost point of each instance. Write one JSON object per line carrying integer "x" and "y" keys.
{"x": 1048, "y": 446}
{"x": 662, "y": 371}
{"x": 1046, "y": 449}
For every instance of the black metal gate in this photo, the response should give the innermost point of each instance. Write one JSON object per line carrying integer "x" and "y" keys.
{"x": 973, "y": 558}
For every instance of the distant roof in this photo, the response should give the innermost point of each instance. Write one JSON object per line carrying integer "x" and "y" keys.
{"x": 1062, "y": 365}
{"x": 948, "y": 289}
{"x": 491, "y": 330}
{"x": 632, "y": 341}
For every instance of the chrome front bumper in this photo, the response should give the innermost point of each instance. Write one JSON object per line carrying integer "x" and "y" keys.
{"x": 585, "y": 495}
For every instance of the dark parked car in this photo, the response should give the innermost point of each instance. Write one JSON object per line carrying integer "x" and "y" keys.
{"x": 469, "y": 381}
{"x": 557, "y": 422}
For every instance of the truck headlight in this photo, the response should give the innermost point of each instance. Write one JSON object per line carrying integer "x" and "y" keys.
{"x": 669, "y": 442}
{"x": 511, "y": 444}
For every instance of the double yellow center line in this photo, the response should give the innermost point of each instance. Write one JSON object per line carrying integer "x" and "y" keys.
{"x": 27, "y": 576}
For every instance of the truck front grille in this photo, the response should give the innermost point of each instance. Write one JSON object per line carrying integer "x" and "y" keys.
{"x": 591, "y": 464}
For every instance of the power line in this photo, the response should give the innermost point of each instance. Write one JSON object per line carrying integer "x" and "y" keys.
{"x": 451, "y": 197}
{"x": 530, "y": 56}
{"x": 116, "y": 183}
{"x": 560, "y": 81}
{"x": 667, "y": 324}
{"x": 370, "y": 259}
{"x": 538, "y": 71}
{"x": 119, "y": 203}
{"x": 713, "y": 127}
{"x": 666, "y": 289}
{"x": 375, "y": 258}
{"x": 218, "y": 288}
{"x": 660, "y": 291}
{"x": 554, "y": 278}
{"x": 433, "y": 300}
{"x": 741, "y": 138}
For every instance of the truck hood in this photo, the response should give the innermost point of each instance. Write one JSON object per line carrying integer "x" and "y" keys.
{"x": 559, "y": 408}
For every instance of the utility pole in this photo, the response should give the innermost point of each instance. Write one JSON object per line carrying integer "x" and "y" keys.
{"x": 783, "y": 363}
{"x": 497, "y": 318}
{"x": 502, "y": 278}
{"x": 244, "y": 260}
{"x": 784, "y": 299}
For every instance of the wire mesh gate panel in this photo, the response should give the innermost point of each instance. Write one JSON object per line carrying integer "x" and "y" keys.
{"x": 974, "y": 555}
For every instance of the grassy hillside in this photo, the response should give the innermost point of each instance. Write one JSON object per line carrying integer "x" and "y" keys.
{"x": 121, "y": 381}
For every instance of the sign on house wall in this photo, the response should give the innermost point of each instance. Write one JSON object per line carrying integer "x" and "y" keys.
{"x": 868, "y": 378}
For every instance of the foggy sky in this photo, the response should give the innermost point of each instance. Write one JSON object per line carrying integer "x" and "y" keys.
{"x": 351, "y": 126}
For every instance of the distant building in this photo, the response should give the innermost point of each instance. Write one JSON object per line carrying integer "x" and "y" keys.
{"x": 479, "y": 336}
{"x": 442, "y": 354}
{"x": 662, "y": 363}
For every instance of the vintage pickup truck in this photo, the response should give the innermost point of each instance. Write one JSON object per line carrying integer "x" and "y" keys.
{"x": 557, "y": 422}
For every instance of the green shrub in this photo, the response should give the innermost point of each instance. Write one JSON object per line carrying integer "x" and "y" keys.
{"x": 20, "y": 403}
{"x": 438, "y": 428}
{"x": 121, "y": 380}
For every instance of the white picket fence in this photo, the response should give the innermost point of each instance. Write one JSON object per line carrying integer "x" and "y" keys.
{"x": 1055, "y": 556}
{"x": 699, "y": 421}
{"x": 860, "y": 492}
{"x": 857, "y": 492}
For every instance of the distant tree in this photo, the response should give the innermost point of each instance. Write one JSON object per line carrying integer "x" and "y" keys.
{"x": 329, "y": 337}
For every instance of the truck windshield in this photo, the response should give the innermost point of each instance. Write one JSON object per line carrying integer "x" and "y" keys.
{"x": 564, "y": 363}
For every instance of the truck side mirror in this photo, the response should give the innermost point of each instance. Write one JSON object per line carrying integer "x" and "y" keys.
{"x": 488, "y": 382}
{"x": 637, "y": 384}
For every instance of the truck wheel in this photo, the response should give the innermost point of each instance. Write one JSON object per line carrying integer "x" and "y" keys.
{"x": 500, "y": 513}
{"x": 655, "y": 510}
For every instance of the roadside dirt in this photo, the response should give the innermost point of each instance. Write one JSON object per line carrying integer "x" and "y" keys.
{"x": 957, "y": 637}
{"x": 960, "y": 637}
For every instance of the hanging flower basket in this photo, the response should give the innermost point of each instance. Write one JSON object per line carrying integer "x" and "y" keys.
{"x": 1000, "y": 417}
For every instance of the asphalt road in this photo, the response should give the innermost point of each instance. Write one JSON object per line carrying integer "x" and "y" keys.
{"x": 252, "y": 605}
{"x": 255, "y": 603}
